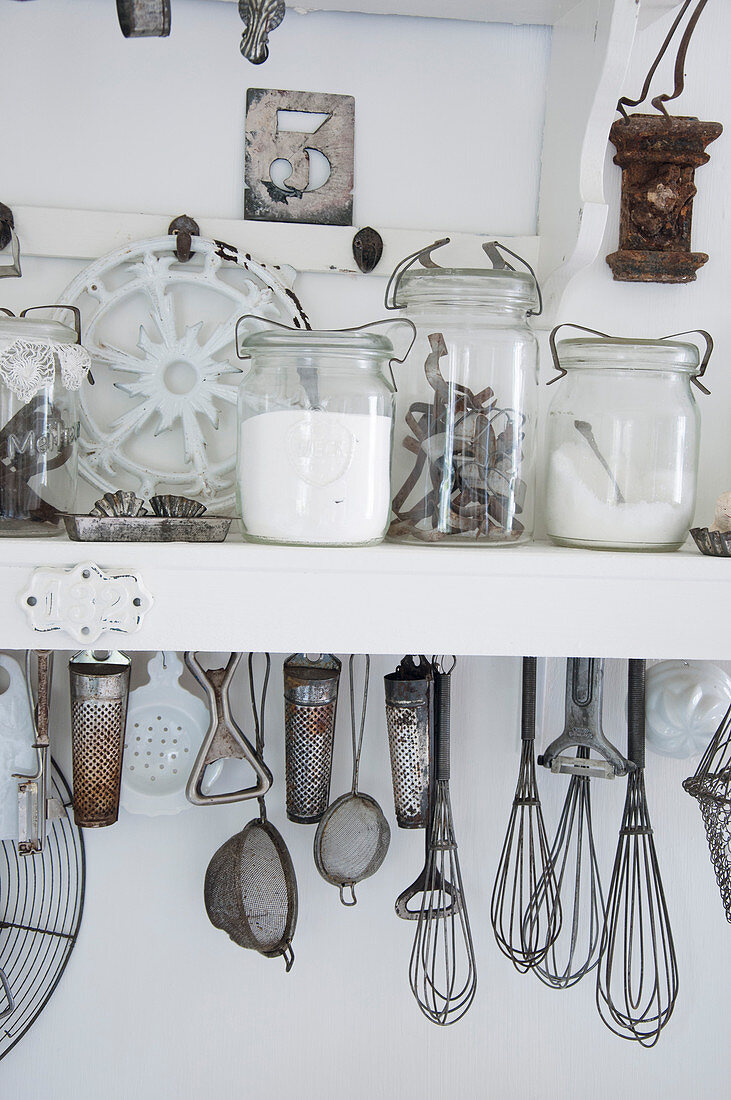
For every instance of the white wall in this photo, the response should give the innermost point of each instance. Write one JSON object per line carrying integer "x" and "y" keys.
{"x": 155, "y": 1003}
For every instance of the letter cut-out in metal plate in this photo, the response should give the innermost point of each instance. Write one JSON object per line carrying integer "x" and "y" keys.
{"x": 299, "y": 157}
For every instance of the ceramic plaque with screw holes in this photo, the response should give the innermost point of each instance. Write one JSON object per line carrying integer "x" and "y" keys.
{"x": 161, "y": 417}
{"x": 165, "y": 727}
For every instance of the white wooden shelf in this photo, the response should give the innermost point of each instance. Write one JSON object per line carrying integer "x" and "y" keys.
{"x": 532, "y": 599}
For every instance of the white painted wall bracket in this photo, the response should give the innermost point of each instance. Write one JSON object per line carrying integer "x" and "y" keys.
{"x": 85, "y": 601}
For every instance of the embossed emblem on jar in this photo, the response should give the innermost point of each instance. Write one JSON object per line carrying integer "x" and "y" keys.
{"x": 320, "y": 448}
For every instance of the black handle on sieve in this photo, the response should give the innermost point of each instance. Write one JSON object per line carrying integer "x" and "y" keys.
{"x": 442, "y": 684}
{"x": 528, "y": 710}
{"x": 636, "y": 712}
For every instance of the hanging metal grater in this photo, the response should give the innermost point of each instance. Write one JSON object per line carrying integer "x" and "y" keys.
{"x": 99, "y": 683}
{"x": 310, "y": 703}
{"x": 408, "y": 718}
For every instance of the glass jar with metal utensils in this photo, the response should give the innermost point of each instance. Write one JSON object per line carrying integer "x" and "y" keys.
{"x": 466, "y": 411}
{"x": 408, "y": 693}
{"x": 525, "y": 882}
{"x": 574, "y": 882}
{"x": 637, "y": 979}
{"x": 622, "y": 441}
{"x": 442, "y": 969}
{"x": 225, "y": 739}
{"x": 315, "y": 419}
{"x": 353, "y": 836}
{"x": 310, "y": 705}
{"x": 99, "y": 683}
{"x": 42, "y": 365}
{"x": 250, "y": 888}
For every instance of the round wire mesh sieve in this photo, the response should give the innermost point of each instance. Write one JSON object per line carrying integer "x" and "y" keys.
{"x": 353, "y": 836}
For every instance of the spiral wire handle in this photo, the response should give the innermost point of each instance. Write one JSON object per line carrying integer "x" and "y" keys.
{"x": 711, "y": 786}
{"x": 525, "y": 861}
{"x": 442, "y": 969}
{"x": 637, "y": 980}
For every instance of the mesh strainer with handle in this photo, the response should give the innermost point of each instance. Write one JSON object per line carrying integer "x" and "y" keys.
{"x": 353, "y": 836}
{"x": 250, "y": 887}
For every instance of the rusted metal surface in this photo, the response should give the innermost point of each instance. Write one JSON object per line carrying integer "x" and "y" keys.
{"x": 291, "y": 200}
{"x": 658, "y": 156}
{"x": 367, "y": 249}
{"x": 408, "y": 719}
{"x": 310, "y": 704}
{"x": 259, "y": 17}
{"x": 144, "y": 18}
{"x": 99, "y": 693}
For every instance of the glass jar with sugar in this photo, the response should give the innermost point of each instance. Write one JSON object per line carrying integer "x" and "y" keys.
{"x": 314, "y": 448}
{"x": 622, "y": 442}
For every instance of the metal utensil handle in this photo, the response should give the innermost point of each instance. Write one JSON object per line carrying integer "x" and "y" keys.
{"x": 357, "y": 740}
{"x": 258, "y": 716}
{"x": 5, "y": 984}
{"x": 636, "y": 712}
{"x": 442, "y": 684}
{"x": 528, "y": 707}
{"x": 584, "y": 684}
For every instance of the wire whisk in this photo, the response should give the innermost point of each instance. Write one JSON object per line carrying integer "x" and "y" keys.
{"x": 525, "y": 873}
{"x": 442, "y": 970}
{"x": 637, "y": 980}
{"x": 711, "y": 786}
{"x": 575, "y": 948}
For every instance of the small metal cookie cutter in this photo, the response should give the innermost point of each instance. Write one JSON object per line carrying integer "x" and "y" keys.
{"x": 224, "y": 740}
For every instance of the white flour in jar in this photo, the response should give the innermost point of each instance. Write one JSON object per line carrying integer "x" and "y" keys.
{"x": 315, "y": 477}
{"x": 577, "y": 511}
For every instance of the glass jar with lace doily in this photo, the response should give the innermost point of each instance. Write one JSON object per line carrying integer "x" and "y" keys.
{"x": 42, "y": 365}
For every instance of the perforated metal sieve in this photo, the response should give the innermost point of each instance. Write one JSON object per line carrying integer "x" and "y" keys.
{"x": 250, "y": 888}
{"x": 353, "y": 836}
{"x": 310, "y": 702}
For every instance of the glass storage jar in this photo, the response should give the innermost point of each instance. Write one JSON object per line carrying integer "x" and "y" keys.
{"x": 314, "y": 451}
{"x": 464, "y": 438}
{"x": 622, "y": 443}
{"x": 41, "y": 366}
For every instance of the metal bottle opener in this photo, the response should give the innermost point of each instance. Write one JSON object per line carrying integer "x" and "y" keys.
{"x": 224, "y": 740}
{"x": 583, "y": 728}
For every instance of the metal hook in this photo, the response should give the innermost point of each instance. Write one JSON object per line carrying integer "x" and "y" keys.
{"x": 183, "y": 228}
{"x": 9, "y": 236}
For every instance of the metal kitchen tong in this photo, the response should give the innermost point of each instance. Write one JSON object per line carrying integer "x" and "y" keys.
{"x": 224, "y": 740}
{"x": 583, "y": 728}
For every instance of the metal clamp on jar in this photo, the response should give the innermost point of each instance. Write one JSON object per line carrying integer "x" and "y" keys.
{"x": 622, "y": 441}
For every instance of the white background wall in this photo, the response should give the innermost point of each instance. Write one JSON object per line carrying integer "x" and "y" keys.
{"x": 155, "y": 1003}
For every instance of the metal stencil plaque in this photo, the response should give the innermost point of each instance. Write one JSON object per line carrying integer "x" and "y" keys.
{"x": 303, "y": 174}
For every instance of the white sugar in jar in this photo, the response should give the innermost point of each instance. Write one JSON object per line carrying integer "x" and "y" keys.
{"x": 315, "y": 427}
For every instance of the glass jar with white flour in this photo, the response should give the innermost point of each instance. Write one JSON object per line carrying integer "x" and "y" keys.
{"x": 315, "y": 425}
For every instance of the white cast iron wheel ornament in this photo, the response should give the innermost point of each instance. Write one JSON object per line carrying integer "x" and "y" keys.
{"x": 161, "y": 417}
